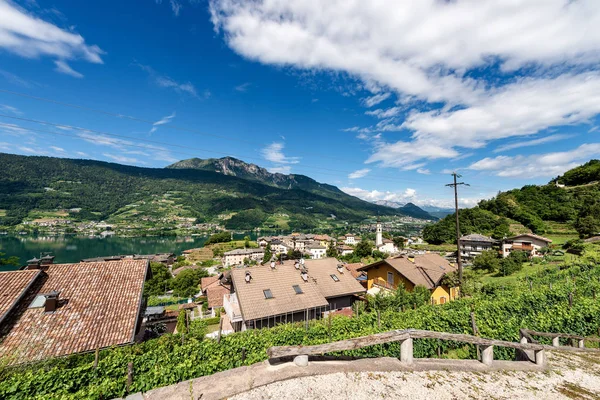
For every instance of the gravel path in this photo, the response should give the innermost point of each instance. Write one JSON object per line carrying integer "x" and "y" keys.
{"x": 570, "y": 377}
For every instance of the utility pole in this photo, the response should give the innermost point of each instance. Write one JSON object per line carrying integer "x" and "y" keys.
{"x": 458, "y": 257}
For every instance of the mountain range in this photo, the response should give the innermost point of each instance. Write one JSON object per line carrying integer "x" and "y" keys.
{"x": 239, "y": 194}
{"x": 433, "y": 211}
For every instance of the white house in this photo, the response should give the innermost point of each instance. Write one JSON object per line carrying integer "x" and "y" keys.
{"x": 527, "y": 242}
{"x": 316, "y": 251}
{"x": 474, "y": 244}
{"x": 236, "y": 257}
{"x": 351, "y": 239}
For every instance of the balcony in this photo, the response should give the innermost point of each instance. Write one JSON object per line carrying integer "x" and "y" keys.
{"x": 232, "y": 307}
{"x": 382, "y": 283}
{"x": 523, "y": 247}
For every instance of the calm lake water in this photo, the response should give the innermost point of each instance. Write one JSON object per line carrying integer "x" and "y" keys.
{"x": 69, "y": 249}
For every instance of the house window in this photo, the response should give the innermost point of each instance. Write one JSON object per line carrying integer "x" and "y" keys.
{"x": 268, "y": 294}
{"x": 335, "y": 277}
{"x": 297, "y": 289}
{"x": 390, "y": 278}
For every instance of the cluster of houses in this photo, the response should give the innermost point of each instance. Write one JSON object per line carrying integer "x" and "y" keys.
{"x": 300, "y": 290}
{"x": 474, "y": 244}
{"x": 309, "y": 245}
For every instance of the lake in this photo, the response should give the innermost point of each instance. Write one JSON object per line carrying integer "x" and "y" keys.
{"x": 70, "y": 249}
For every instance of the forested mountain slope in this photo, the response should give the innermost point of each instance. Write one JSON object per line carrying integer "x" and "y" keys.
{"x": 577, "y": 203}
{"x": 100, "y": 189}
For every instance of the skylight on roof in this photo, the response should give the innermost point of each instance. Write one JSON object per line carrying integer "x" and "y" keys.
{"x": 297, "y": 289}
{"x": 335, "y": 277}
{"x": 38, "y": 302}
{"x": 268, "y": 294}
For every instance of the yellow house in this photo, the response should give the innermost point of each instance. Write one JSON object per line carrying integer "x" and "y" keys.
{"x": 410, "y": 271}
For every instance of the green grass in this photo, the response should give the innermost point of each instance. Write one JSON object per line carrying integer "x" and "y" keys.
{"x": 2, "y": 213}
{"x": 560, "y": 239}
{"x": 434, "y": 247}
{"x": 528, "y": 270}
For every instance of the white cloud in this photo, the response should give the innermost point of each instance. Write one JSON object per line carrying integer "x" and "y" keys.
{"x": 81, "y": 154}
{"x": 243, "y": 87}
{"x": 176, "y": 7}
{"x": 532, "y": 142}
{"x": 28, "y": 36}
{"x": 420, "y": 48}
{"x": 424, "y": 51}
{"x": 123, "y": 159}
{"x": 284, "y": 169}
{"x": 410, "y": 195}
{"x": 64, "y": 68}
{"x": 58, "y": 149}
{"x": 167, "y": 82}
{"x": 10, "y": 109}
{"x": 274, "y": 153}
{"x": 423, "y": 171}
{"x": 12, "y": 129}
{"x": 376, "y": 99}
{"x": 387, "y": 113}
{"x": 359, "y": 173}
{"x": 537, "y": 165}
{"x": 162, "y": 121}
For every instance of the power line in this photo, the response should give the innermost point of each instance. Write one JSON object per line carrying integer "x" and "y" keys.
{"x": 97, "y": 140}
{"x": 458, "y": 257}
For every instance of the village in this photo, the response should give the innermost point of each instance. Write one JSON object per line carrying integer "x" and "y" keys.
{"x": 284, "y": 279}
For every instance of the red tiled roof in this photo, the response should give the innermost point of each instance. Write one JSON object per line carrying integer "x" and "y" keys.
{"x": 13, "y": 286}
{"x": 206, "y": 282}
{"x": 99, "y": 307}
{"x": 215, "y": 294}
{"x": 353, "y": 269}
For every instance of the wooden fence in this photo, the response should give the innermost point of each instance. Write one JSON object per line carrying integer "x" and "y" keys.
{"x": 405, "y": 337}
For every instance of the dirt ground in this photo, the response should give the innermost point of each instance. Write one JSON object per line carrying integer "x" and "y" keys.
{"x": 570, "y": 376}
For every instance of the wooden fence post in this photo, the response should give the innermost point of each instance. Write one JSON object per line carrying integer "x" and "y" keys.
{"x": 570, "y": 299}
{"x": 475, "y": 332}
{"x": 487, "y": 354}
{"x": 378, "y": 319}
{"x": 96, "y": 356}
{"x": 129, "y": 375}
{"x": 406, "y": 350}
{"x": 556, "y": 341}
{"x": 220, "y": 329}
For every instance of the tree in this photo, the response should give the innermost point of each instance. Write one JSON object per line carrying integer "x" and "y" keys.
{"x": 487, "y": 260}
{"x": 9, "y": 260}
{"x": 331, "y": 250}
{"x": 186, "y": 283}
{"x": 221, "y": 237}
{"x": 398, "y": 242}
{"x": 160, "y": 282}
{"x": 246, "y": 242}
{"x": 364, "y": 248}
{"x": 294, "y": 254}
{"x": 268, "y": 255}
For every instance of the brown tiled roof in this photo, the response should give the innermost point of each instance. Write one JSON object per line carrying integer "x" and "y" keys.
{"x": 251, "y": 298}
{"x": 426, "y": 270}
{"x": 353, "y": 269}
{"x": 101, "y": 309}
{"x": 532, "y": 235}
{"x": 209, "y": 280}
{"x": 215, "y": 294}
{"x": 13, "y": 286}
{"x": 322, "y": 269}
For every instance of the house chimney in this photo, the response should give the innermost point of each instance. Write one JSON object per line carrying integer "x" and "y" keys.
{"x": 47, "y": 260}
{"x": 51, "y": 301}
{"x": 340, "y": 268}
{"x": 272, "y": 265}
{"x": 411, "y": 258}
{"x": 304, "y": 276}
{"x": 34, "y": 263}
{"x": 248, "y": 277}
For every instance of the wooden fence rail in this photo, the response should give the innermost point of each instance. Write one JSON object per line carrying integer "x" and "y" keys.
{"x": 405, "y": 337}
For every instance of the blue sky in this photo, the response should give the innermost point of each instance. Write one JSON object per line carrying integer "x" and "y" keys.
{"x": 383, "y": 99}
